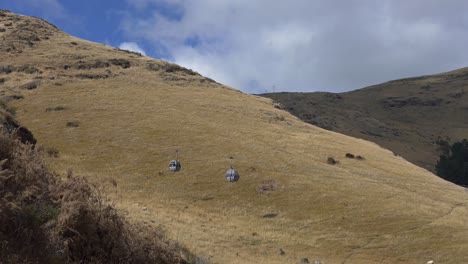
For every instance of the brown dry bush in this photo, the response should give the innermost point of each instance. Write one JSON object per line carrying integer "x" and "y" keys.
{"x": 29, "y": 69}
{"x": 92, "y": 76}
{"x": 30, "y": 85}
{"x": 45, "y": 219}
{"x": 129, "y": 52}
{"x": 73, "y": 124}
{"x": 360, "y": 157}
{"x": 7, "y": 69}
{"x": 169, "y": 67}
{"x": 8, "y": 123}
{"x": 10, "y": 110}
{"x": 331, "y": 161}
{"x": 57, "y": 108}
{"x": 82, "y": 65}
{"x": 267, "y": 186}
{"x": 52, "y": 152}
{"x": 120, "y": 62}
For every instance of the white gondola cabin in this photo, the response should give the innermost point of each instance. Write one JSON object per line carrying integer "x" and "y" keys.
{"x": 174, "y": 165}
{"x": 232, "y": 175}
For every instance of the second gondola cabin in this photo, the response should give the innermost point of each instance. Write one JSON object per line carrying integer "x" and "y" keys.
{"x": 174, "y": 165}
{"x": 232, "y": 175}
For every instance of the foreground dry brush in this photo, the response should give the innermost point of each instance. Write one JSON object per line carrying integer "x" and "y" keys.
{"x": 46, "y": 219}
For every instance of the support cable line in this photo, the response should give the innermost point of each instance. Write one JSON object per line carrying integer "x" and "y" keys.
{"x": 231, "y": 174}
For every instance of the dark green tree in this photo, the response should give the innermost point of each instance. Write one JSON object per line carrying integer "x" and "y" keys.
{"x": 453, "y": 163}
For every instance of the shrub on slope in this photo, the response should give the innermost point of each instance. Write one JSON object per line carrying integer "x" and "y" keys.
{"x": 453, "y": 162}
{"x": 44, "y": 219}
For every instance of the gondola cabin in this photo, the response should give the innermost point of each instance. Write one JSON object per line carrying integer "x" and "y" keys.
{"x": 232, "y": 175}
{"x": 174, "y": 165}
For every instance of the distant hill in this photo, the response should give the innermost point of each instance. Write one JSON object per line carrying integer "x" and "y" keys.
{"x": 117, "y": 118}
{"x": 407, "y": 116}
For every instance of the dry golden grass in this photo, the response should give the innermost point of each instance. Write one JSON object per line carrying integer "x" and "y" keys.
{"x": 45, "y": 219}
{"x": 378, "y": 210}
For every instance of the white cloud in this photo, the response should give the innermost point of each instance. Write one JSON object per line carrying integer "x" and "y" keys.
{"x": 50, "y": 8}
{"x": 131, "y": 46}
{"x": 303, "y": 45}
{"x": 142, "y": 4}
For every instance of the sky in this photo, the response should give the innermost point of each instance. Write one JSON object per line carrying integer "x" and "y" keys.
{"x": 260, "y": 46}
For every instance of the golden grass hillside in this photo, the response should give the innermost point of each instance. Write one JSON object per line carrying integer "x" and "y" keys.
{"x": 113, "y": 120}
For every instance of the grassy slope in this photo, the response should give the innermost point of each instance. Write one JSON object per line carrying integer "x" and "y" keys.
{"x": 382, "y": 209}
{"x": 45, "y": 219}
{"x": 406, "y": 116}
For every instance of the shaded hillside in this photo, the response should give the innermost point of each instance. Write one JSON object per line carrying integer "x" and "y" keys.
{"x": 116, "y": 115}
{"x": 407, "y": 116}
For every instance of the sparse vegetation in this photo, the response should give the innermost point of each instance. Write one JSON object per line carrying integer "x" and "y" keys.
{"x": 331, "y": 161}
{"x": 267, "y": 186}
{"x": 120, "y": 62}
{"x": 278, "y": 105}
{"x": 270, "y": 215}
{"x": 73, "y": 124}
{"x": 92, "y": 76}
{"x": 174, "y": 78}
{"x": 351, "y": 156}
{"x": 206, "y": 79}
{"x": 29, "y": 69}
{"x": 456, "y": 94}
{"x": 30, "y": 85}
{"x": 8, "y": 109}
{"x": 6, "y": 69}
{"x": 277, "y": 118}
{"x": 44, "y": 219}
{"x": 12, "y": 97}
{"x": 169, "y": 67}
{"x": 52, "y": 152}
{"x": 57, "y": 108}
{"x": 130, "y": 52}
{"x": 425, "y": 87}
{"x": 152, "y": 66}
{"x": 83, "y": 65}
{"x": 9, "y": 124}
